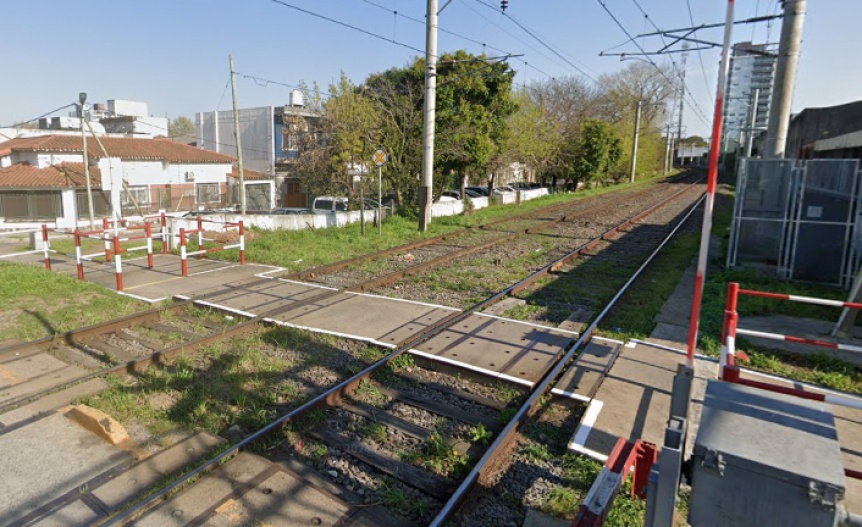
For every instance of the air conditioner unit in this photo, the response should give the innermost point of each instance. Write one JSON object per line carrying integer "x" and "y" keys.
{"x": 190, "y": 176}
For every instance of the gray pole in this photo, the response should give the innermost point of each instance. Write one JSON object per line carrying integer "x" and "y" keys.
{"x": 682, "y": 91}
{"x": 749, "y": 144}
{"x": 785, "y": 77}
{"x": 635, "y": 142}
{"x": 666, "y": 149}
{"x": 238, "y": 138}
{"x": 380, "y": 200}
{"x": 430, "y": 109}
{"x": 87, "y": 170}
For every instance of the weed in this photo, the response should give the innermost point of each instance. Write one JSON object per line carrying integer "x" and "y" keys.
{"x": 437, "y": 455}
{"x": 402, "y": 362}
{"x": 561, "y": 502}
{"x": 375, "y": 431}
{"x": 479, "y": 435}
{"x": 506, "y": 414}
{"x": 535, "y": 452}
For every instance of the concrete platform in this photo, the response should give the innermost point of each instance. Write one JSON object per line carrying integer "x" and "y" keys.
{"x": 512, "y": 350}
{"x": 63, "y": 459}
{"x": 248, "y": 490}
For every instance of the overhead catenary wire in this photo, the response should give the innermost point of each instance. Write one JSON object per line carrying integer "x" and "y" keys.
{"x": 619, "y": 24}
{"x": 398, "y": 14}
{"x": 348, "y": 25}
{"x": 679, "y": 73}
{"x": 699, "y": 52}
{"x": 541, "y": 41}
{"x": 46, "y": 114}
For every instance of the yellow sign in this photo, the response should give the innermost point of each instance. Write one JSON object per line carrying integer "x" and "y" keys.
{"x": 380, "y": 157}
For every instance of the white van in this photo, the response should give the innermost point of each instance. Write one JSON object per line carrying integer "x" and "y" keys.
{"x": 326, "y": 204}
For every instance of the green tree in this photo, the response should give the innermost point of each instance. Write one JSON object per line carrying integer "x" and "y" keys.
{"x": 181, "y": 126}
{"x": 598, "y": 152}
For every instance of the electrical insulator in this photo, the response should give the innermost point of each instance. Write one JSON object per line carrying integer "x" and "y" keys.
{"x": 504, "y": 4}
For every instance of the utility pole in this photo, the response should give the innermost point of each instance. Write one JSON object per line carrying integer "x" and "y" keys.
{"x": 635, "y": 141}
{"x": 749, "y": 143}
{"x": 785, "y": 77}
{"x": 430, "y": 109}
{"x": 82, "y": 98}
{"x": 238, "y": 138}
{"x": 681, "y": 92}
{"x": 667, "y": 148}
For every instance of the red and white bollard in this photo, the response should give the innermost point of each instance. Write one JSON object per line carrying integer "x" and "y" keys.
{"x": 164, "y": 234}
{"x": 79, "y": 258}
{"x": 119, "y": 263}
{"x": 728, "y": 337}
{"x": 105, "y": 227}
{"x": 241, "y": 243}
{"x": 183, "y": 258}
{"x": 148, "y": 229}
{"x": 200, "y": 236}
{"x": 46, "y": 247}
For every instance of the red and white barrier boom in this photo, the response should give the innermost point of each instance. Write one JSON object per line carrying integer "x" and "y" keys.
{"x": 46, "y": 244}
{"x": 729, "y": 370}
{"x": 185, "y": 233}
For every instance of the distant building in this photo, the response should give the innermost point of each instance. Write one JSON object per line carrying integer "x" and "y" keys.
{"x": 42, "y": 177}
{"x": 752, "y": 67}
{"x": 829, "y": 132}
{"x": 272, "y": 136}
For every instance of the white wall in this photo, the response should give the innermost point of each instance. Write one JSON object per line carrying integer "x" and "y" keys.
{"x": 157, "y": 173}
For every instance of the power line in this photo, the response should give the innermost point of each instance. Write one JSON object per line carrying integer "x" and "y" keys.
{"x": 636, "y": 43}
{"x": 218, "y": 107}
{"x": 540, "y": 41}
{"x": 43, "y": 115}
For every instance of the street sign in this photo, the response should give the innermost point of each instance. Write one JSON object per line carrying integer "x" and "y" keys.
{"x": 380, "y": 157}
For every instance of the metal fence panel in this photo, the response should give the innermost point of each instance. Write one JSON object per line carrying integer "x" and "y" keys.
{"x": 761, "y": 213}
{"x": 31, "y": 205}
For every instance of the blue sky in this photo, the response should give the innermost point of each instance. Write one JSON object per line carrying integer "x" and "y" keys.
{"x": 172, "y": 54}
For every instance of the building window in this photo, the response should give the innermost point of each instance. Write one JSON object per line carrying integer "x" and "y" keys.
{"x": 207, "y": 193}
{"x": 138, "y": 194}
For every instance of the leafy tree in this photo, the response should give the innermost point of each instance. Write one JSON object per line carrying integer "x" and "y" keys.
{"x": 695, "y": 140}
{"x": 597, "y": 153}
{"x": 350, "y": 121}
{"x": 181, "y": 126}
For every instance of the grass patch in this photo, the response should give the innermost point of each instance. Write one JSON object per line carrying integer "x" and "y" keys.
{"x": 37, "y": 302}
{"x": 437, "y": 455}
{"x": 303, "y": 249}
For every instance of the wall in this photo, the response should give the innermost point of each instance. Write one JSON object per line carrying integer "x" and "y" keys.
{"x": 813, "y": 124}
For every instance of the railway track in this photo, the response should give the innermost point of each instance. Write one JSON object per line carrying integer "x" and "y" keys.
{"x": 410, "y": 432}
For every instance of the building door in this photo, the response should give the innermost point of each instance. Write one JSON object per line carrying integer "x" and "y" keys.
{"x": 293, "y": 194}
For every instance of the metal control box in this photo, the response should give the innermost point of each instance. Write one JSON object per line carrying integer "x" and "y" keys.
{"x": 764, "y": 459}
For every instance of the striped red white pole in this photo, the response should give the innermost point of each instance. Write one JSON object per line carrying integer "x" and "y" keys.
{"x": 79, "y": 258}
{"x": 728, "y": 336}
{"x": 798, "y": 340}
{"x": 241, "y": 243}
{"x": 148, "y": 229}
{"x": 712, "y": 177}
{"x": 105, "y": 227}
{"x": 46, "y": 247}
{"x": 184, "y": 264}
{"x": 802, "y": 299}
{"x": 829, "y": 398}
{"x": 118, "y": 263}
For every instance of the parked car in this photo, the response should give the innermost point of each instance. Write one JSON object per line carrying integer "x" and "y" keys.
{"x": 480, "y": 191}
{"x": 291, "y": 210}
{"x": 326, "y": 204}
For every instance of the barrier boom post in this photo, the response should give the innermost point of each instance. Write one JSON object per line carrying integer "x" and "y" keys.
{"x": 46, "y": 247}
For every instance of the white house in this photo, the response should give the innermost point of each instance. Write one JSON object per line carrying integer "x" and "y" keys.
{"x": 146, "y": 174}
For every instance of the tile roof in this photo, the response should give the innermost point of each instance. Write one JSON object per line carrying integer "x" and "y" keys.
{"x": 123, "y": 147}
{"x": 64, "y": 175}
{"x": 247, "y": 174}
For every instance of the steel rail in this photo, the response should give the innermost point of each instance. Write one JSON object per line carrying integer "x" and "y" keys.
{"x": 138, "y": 365}
{"x": 333, "y": 395}
{"x": 506, "y": 436}
{"x": 337, "y": 266}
